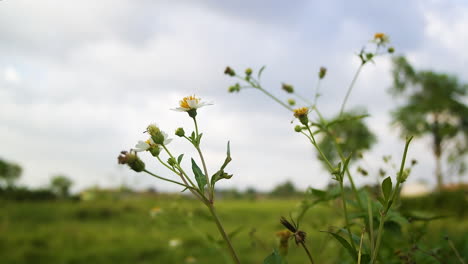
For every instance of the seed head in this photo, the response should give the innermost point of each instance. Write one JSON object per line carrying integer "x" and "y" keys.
{"x": 288, "y": 88}
{"x": 229, "y": 71}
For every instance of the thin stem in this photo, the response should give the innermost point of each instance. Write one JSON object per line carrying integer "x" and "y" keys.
{"x": 383, "y": 213}
{"x": 379, "y": 237}
{"x": 312, "y": 139}
{"x": 307, "y": 252}
{"x": 223, "y": 234}
{"x": 351, "y": 181}
{"x": 165, "y": 179}
{"x": 178, "y": 166}
{"x": 371, "y": 223}
{"x": 345, "y": 210}
{"x": 197, "y": 146}
{"x": 351, "y": 87}
{"x": 305, "y": 100}
{"x": 316, "y": 91}
{"x": 460, "y": 259}
{"x": 431, "y": 254}
{"x": 360, "y": 247}
{"x": 274, "y": 98}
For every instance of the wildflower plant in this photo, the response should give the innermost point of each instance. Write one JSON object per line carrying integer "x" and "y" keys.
{"x": 365, "y": 214}
{"x": 312, "y": 127}
{"x": 201, "y": 185}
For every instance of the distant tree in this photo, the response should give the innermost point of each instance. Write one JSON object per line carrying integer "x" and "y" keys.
{"x": 434, "y": 106}
{"x": 285, "y": 189}
{"x": 60, "y": 185}
{"x": 9, "y": 173}
{"x": 350, "y": 133}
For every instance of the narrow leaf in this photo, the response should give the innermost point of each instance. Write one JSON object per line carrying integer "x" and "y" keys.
{"x": 274, "y": 258}
{"x": 261, "y": 71}
{"x": 199, "y": 176}
{"x": 179, "y": 159}
{"x": 387, "y": 187}
{"x": 345, "y": 244}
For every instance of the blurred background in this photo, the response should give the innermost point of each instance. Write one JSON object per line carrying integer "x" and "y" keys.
{"x": 81, "y": 80}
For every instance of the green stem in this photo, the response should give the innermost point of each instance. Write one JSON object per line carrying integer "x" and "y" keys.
{"x": 305, "y": 100}
{"x": 165, "y": 179}
{"x": 460, "y": 259}
{"x": 379, "y": 237}
{"x": 312, "y": 140}
{"x": 371, "y": 223}
{"x": 274, "y": 98}
{"x": 197, "y": 146}
{"x": 360, "y": 248}
{"x": 308, "y": 253}
{"x": 351, "y": 87}
{"x": 223, "y": 234}
{"x": 345, "y": 210}
{"x": 316, "y": 92}
{"x": 383, "y": 214}
{"x": 178, "y": 166}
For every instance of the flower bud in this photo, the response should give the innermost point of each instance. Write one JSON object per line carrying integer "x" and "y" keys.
{"x": 288, "y": 88}
{"x": 158, "y": 138}
{"x": 403, "y": 176}
{"x": 322, "y": 72}
{"x": 229, "y": 71}
{"x": 180, "y": 132}
{"x": 171, "y": 161}
{"x": 248, "y": 71}
{"x": 155, "y": 150}
{"x": 369, "y": 56}
{"x": 298, "y": 128}
{"x": 291, "y": 102}
{"x": 153, "y": 130}
{"x": 391, "y": 50}
{"x": 234, "y": 88}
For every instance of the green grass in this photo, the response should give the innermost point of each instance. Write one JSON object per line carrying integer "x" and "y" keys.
{"x": 122, "y": 231}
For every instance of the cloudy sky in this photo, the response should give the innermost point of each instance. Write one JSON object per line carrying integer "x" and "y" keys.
{"x": 80, "y": 81}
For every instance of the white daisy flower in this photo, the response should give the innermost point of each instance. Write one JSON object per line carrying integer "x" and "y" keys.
{"x": 167, "y": 140}
{"x": 190, "y": 103}
{"x": 143, "y": 145}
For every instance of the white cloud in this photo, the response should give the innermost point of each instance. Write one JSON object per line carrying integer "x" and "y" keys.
{"x": 90, "y": 77}
{"x": 11, "y": 75}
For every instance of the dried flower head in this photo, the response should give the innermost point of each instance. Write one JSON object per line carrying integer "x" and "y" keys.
{"x": 299, "y": 236}
{"x": 132, "y": 160}
{"x": 229, "y": 71}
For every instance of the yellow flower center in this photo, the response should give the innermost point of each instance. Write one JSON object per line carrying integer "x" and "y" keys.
{"x": 149, "y": 142}
{"x": 184, "y": 102}
{"x": 303, "y": 111}
{"x": 380, "y": 36}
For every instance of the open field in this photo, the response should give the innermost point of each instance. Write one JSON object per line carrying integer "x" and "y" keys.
{"x": 174, "y": 229}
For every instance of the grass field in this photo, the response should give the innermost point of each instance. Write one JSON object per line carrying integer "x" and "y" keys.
{"x": 174, "y": 229}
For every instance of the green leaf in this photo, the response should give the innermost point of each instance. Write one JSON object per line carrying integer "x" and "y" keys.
{"x": 260, "y": 72}
{"x": 179, "y": 159}
{"x": 228, "y": 152}
{"x": 199, "y": 176}
{"x": 274, "y": 258}
{"x": 346, "y": 163}
{"x": 219, "y": 175}
{"x": 345, "y": 244}
{"x": 387, "y": 188}
{"x": 199, "y": 138}
{"x": 235, "y": 232}
{"x": 366, "y": 258}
